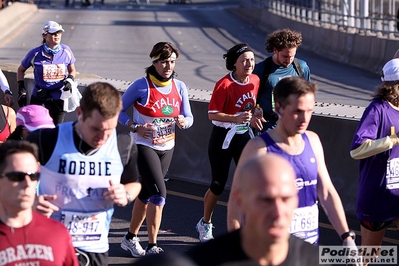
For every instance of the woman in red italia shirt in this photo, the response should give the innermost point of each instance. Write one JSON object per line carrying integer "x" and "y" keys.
{"x": 231, "y": 111}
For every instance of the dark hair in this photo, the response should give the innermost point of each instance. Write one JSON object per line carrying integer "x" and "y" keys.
{"x": 292, "y": 86}
{"x": 233, "y": 53}
{"x": 283, "y": 39}
{"x": 163, "y": 50}
{"x": 388, "y": 91}
{"x": 103, "y": 97}
{"x": 10, "y": 147}
{"x": 17, "y": 134}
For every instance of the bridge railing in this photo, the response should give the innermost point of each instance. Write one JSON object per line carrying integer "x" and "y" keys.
{"x": 378, "y": 17}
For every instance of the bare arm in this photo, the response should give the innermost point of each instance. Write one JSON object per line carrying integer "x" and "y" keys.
{"x": 72, "y": 70}
{"x": 326, "y": 191}
{"x": 255, "y": 146}
{"x": 133, "y": 189}
{"x": 20, "y": 72}
{"x": 244, "y": 117}
{"x": 12, "y": 117}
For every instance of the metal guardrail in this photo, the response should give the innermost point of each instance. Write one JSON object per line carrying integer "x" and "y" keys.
{"x": 371, "y": 17}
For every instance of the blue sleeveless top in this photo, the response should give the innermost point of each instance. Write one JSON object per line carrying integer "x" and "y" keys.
{"x": 305, "y": 220}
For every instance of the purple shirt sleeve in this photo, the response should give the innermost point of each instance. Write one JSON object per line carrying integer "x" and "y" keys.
{"x": 368, "y": 127}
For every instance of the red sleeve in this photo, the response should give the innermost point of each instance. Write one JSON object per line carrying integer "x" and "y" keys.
{"x": 219, "y": 97}
{"x": 71, "y": 258}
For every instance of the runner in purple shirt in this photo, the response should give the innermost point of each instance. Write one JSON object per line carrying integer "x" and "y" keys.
{"x": 294, "y": 103}
{"x": 375, "y": 146}
{"x": 53, "y": 69}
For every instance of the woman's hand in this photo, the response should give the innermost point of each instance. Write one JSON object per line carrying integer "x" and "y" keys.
{"x": 180, "y": 121}
{"x": 244, "y": 117}
{"x": 145, "y": 130}
{"x": 256, "y": 123}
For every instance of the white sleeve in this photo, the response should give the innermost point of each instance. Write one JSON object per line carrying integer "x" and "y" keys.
{"x": 3, "y": 82}
{"x": 373, "y": 147}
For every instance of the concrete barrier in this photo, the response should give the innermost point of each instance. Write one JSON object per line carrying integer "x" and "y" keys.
{"x": 336, "y": 136}
{"x": 190, "y": 160}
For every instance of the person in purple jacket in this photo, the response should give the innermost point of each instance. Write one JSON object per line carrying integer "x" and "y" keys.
{"x": 294, "y": 103}
{"x": 54, "y": 72}
{"x": 375, "y": 146}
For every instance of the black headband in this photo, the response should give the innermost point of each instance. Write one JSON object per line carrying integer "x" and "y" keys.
{"x": 232, "y": 56}
{"x": 243, "y": 50}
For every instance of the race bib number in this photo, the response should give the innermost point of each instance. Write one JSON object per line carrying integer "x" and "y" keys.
{"x": 241, "y": 128}
{"x": 305, "y": 219}
{"x": 163, "y": 132}
{"x": 392, "y": 176}
{"x": 53, "y": 72}
{"x": 84, "y": 227}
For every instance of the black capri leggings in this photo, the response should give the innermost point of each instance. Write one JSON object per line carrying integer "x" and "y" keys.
{"x": 153, "y": 165}
{"x": 220, "y": 159}
{"x": 55, "y": 108}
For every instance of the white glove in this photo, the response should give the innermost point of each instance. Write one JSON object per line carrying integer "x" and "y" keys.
{"x": 71, "y": 96}
{"x": 69, "y": 86}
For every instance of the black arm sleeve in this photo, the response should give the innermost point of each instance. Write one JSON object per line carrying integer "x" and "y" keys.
{"x": 128, "y": 151}
{"x": 45, "y": 139}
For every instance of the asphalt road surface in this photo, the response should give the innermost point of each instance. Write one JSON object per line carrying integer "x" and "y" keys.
{"x": 113, "y": 40}
{"x": 183, "y": 209}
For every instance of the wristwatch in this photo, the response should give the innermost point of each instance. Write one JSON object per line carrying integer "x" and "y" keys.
{"x": 134, "y": 127}
{"x": 347, "y": 234}
{"x": 8, "y": 92}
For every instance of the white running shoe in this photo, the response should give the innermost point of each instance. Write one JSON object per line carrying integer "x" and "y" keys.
{"x": 133, "y": 245}
{"x": 204, "y": 230}
{"x": 154, "y": 250}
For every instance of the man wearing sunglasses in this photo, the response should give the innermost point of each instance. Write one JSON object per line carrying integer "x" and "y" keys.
{"x": 26, "y": 237}
{"x": 87, "y": 168}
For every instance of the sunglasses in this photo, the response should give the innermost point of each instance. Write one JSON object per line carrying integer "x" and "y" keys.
{"x": 55, "y": 33}
{"x": 20, "y": 176}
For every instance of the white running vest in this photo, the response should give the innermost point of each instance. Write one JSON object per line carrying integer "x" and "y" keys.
{"x": 79, "y": 181}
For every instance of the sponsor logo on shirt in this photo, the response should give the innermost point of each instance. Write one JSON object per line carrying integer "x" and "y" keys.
{"x": 300, "y": 183}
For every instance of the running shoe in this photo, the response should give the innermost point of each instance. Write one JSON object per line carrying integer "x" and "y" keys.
{"x": 204, "y": 230}
{"x": 133, "y": 245}
{"x": 154, "y": 250}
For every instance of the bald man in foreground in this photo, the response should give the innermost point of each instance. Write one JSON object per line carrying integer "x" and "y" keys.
{"x": 266, "y": 195}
